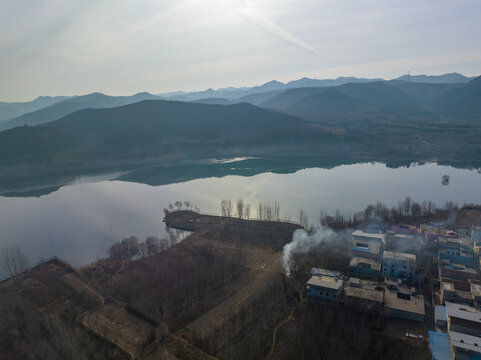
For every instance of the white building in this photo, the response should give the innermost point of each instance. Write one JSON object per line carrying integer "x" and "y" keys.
{"x": 367, "y": 245}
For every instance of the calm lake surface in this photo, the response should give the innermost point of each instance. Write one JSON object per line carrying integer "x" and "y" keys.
{"x": 81, "y": 220}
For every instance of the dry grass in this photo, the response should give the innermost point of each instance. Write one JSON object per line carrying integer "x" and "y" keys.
{"x": 119, "y": 327}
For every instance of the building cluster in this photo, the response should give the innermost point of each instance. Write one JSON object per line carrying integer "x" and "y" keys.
{"x": 457, "y": 297}
{"x": 380, "y": 277}
{"x": 385, "y": 277}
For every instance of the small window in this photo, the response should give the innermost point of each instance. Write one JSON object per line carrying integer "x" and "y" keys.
{"x": 462, "y": 341}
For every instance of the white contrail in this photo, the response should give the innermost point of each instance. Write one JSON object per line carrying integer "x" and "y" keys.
{"x": 251, "y": 12}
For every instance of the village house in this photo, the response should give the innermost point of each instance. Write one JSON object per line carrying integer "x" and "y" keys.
{"x": 464, "y": 330}
{"x": 364, "y": 268}
{"x": 403, "y": 302}
{"x": 324, "y": 285}
{"x": 367, "y": 245}
{"x": 363, "y": 295}
{"x": 398, "y": 265}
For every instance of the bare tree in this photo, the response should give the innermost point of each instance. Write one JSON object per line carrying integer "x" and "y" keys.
{"x": 269, "y": 211}
{"x": 125, "y": 249}
{"x": 226, "y": 208}
{"x": 240, "y": 208}
{"x": 303, "y": 219}
{"x": 14, "y": 262}
{"x": 247, "y": 211}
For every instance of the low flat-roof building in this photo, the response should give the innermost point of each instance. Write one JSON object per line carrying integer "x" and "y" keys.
{"x": 464, "y": 275}
{"x": 403, "y": 302}
{"x": 463, "y": 319}
{"x": 464, "y": 346}
{"x": 324, "y": 288}
{"x": 475, "y": 288}
{"x": 405, "y": 243}
{"x": 363, "y": 295}
{"x": 367, "y": 245}
{"x": 359, "y": 235}
{"x": 451, "y": 294}
{"x": 458, "y": 256}
{"x": 441, "y": 316}
{"x": 398, "y": 265}
{"x": 404, "y": 229}
{"x": 325, "y": 272}
{"x": 364, "y": 268}
{"x": 440, "y": 346}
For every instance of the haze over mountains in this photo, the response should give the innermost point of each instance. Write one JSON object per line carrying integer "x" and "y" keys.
{"x": 67, "y": 105}
{"x": 384, "y": 120}
{"x": 376, "y": 95}
{"x": 234, "y": 93}
{"x": 14, "y": 109}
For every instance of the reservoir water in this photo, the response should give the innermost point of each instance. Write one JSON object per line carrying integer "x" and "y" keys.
{"x": 81, "y": 220}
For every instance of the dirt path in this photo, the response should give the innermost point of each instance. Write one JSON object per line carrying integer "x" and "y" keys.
{"x": 289, "y": 318}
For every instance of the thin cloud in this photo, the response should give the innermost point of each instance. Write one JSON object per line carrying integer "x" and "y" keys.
{"x": 251, "y": 12}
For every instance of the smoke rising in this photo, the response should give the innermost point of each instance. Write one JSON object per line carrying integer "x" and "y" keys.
{"x": 302, "y": 242}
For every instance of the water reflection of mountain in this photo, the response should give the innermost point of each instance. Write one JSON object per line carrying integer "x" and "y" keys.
{"x": 186, "y": 171}
{"x": 163, "y": 175}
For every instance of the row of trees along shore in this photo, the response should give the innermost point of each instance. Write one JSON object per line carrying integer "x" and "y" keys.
{"x": 405, "y": 211}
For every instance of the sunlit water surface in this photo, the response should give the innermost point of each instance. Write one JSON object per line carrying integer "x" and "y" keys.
{"x": 82, "y": 220}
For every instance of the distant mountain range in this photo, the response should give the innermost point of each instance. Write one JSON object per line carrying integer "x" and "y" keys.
{"x": 235, "y": 93}
{"x": 452, "y": 78}
{"x": 14, "y": 109}
{"x": 416, "y": 93}
{"x": 379, "y": 98}
{"x": 61, "y": 108}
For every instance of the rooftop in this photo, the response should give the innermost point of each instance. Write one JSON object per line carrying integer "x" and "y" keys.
{"x": 398, "y": 256}
{"x": 325, "y": 282}
{"x": 363, "y": 289}
{"x": 440, "y": 313}
{"x": 463, "y": 312}
{"x": 363, "y": 234}
{"x": 463, "y": 341}
{"x": 457, "y": 274}
{"x": 439, "y": 345}
{"x": 325, "y": 272}
{"x": 365, "y": 263}
{"x": 413, "y": 304}
{"x": 370, "y": 247}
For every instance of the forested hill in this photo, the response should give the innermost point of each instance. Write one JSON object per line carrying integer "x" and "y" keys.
{"x": 142, "y": 132}
{"x": 367, "y": 121}
{"x": 67, "y": 106}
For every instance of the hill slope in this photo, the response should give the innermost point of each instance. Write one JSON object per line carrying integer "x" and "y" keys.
{"x": 359, "y": 98}
{"x": 68, "y": 106}
{"x": 15, "y": 109}
{"x": 464, "y": 101}
{"x": 329, "y": 103}
{"x": 143, "y": 131}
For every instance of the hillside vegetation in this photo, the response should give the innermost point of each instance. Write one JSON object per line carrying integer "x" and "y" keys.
{"x": 382, "y": 121}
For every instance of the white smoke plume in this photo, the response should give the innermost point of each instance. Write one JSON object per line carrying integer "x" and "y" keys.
{"x": 302, "y": 242}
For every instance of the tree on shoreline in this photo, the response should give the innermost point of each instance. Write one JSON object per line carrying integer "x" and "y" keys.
{"x": 14, "y": 262}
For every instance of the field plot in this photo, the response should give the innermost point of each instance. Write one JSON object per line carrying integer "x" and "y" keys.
{"x": 121, "y": 328}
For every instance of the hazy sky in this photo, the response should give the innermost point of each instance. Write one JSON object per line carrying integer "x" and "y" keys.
{"x": 119, "y": 47}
